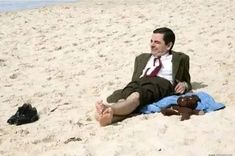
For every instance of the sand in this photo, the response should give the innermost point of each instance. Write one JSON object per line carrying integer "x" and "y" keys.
{"x": 63, "y": 58}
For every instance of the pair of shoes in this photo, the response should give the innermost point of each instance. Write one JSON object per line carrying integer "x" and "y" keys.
{"x": 25, "y": 114}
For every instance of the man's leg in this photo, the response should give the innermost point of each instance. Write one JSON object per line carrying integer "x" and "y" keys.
{"x": 125, "y": 107}
{"x": 107, "y": 114}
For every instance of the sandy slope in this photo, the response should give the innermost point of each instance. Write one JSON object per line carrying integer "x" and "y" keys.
{"x": 63, "y": 58}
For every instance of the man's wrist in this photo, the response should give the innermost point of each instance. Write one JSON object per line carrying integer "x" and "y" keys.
{"x": 185, "y": 85}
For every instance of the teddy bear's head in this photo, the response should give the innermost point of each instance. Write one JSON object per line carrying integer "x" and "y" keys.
{"x": 188, "y": 101}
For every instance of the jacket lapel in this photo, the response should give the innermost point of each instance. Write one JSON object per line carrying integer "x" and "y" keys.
{"x": 144, "y": 61}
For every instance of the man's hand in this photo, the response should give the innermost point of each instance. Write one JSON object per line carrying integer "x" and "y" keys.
{"x": 180, "y": 87}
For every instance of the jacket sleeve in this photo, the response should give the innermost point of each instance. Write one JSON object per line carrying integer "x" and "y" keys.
{"x": 187, "y": 77}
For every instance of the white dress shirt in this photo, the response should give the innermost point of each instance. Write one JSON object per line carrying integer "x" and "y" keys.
{"x": 166, "y": 69}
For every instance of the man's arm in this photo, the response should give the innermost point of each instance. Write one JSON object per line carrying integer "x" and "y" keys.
{"x": 187, "y": 77}
{"x": 184, "y": 81}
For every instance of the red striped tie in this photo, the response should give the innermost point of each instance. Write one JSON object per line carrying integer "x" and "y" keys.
{"x": 157, "y": 69}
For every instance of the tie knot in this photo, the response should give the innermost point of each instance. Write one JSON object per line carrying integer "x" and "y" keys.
{"x": 155, "y": 59}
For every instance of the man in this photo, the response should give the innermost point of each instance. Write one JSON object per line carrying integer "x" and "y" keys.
{"x": 156, "y": 75}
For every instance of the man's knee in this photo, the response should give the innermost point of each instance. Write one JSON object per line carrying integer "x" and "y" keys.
{"x": 135, "y": 96}
{"x": 114, "y": 97}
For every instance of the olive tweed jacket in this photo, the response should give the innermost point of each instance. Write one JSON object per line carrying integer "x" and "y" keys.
{"x": 180, "y": 67}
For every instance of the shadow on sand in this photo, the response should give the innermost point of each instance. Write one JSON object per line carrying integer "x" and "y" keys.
{"x": 198, "y": 85}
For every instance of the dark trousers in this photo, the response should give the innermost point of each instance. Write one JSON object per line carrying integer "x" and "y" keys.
{"x": 151, "y": 89}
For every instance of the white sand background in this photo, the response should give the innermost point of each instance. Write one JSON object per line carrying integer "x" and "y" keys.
{"x": 63, "y": 58}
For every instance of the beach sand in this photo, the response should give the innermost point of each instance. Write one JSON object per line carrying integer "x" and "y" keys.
{"x": 63, "y": 58}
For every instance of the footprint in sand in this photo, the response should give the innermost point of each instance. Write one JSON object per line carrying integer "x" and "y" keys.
{"x": 39, "y": 94}
{"x": 230, "y": 45}
{"x": 202, "y": 32}
{"x": 215, "y": 40}
{"x": 162, "y": 130}
{"x": 22, "y": 132}
{"x": 2, "y": 63}
{"x": 46, "y": 139}
{"x": 188, "y": 141}
{"x": 191, "y": 51}
{"x": 13, "y": 76}
{"x": 2, "y": 132}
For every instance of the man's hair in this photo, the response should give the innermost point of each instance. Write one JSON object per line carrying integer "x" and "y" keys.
{"x": 168, "y": 35}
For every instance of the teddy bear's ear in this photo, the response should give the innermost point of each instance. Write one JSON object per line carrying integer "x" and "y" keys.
{"x": 197, "y": 98}
{"x": 179, "y": 100}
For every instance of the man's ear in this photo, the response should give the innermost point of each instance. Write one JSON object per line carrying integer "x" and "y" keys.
{"x": 169, "y": 45}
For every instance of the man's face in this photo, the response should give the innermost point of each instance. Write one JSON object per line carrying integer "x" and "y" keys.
{"x": 158, "y": 46}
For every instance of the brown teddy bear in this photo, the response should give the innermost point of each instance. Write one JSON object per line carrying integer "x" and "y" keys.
{"x": 185, "y": 107}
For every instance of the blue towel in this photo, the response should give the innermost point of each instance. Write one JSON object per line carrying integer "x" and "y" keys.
{"x": 207, "y": 103}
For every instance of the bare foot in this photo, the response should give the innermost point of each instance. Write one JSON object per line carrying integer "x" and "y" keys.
{"x": 100, "y": 107}
{"x": 106, "y": 117}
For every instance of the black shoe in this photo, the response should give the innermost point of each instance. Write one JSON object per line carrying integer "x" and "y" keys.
{"x": 25, "y": 114}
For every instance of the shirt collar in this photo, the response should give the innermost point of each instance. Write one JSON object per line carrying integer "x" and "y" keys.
{"x": 164, "y": 56}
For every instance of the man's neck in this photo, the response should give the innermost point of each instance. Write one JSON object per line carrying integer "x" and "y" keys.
{"x": 163, "y": 54}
